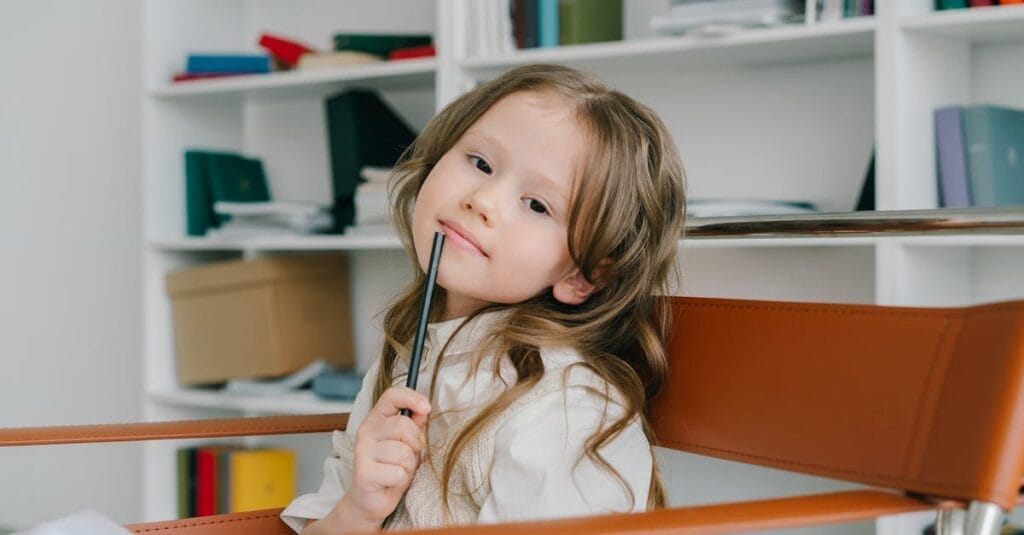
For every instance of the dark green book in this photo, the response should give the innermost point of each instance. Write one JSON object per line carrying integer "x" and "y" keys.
{"x": 199, "y": 214}
{"x": 377, "y": 43}
{"x": 236, "y": 178}
{"x": 186, "y": 467}
{"x": 362, "y": 130}
{"x": 589, "y": 21}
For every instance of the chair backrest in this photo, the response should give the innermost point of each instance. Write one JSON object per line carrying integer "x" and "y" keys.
{"x": 927, "y": 400}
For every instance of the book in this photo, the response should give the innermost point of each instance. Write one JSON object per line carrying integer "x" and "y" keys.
{"x": 260, "y": 479}
{"x": 950, "y": 4}
{"x": 326, "y": 60}
{"x": 951, "y": 158}
{"x": 589, "y": 21}
{"x": 199, "y": 214}
{"x": 547, "y": 23}
{"x": 362, "y": 130}
{"x": 228, "y": 63}
{"x": 238, "y": 179}
{"x": 341, "y": 385}
{"x": 425, "y": 51}
{"x": 286, "y": 51}
{"x": 188, "y": 76}
{"x": 994, "y": 141}
{"x": 206, "y": 481}
{"x": 186, "y": 470}
{"x": 378, "y": 44}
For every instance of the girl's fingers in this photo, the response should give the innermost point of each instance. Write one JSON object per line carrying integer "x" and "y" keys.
{"x": 398, "y": 454}
{"x": 397, "y": 427}
{"x": 397, "y": 398}
{"x": 391, "y": 475}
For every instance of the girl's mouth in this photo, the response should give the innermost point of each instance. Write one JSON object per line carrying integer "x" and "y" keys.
{"x": 462, "y": 239}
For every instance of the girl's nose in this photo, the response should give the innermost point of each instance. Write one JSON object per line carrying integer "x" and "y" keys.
{"x": 482, "y": 200}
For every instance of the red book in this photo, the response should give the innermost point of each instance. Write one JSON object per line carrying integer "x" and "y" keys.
{"x": 284, "y": 50}
{"x": 424, "y": 51}
{"x": 981, "y": 3}
{"x": 206, "y": 481}
{"x": 186, "y": 76}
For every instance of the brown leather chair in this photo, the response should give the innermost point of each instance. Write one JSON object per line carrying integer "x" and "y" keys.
{"x": 924, "y": 405}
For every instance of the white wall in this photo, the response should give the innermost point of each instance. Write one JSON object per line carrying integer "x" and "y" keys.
{"x": 70, "y": 250}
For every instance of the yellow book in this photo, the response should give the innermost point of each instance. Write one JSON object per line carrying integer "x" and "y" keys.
{"x": 261, "y": 479}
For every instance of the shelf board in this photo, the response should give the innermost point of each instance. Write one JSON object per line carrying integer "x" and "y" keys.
{"x": 352, "y": 242}
{"x": 1000, "y": 225}
{"x": 383, "y": 75}
{"x": 301, "y": 402}
{"x": 977, "y": 25}
{"x": 964, "y": 241}
{"x": 794, "y": 43}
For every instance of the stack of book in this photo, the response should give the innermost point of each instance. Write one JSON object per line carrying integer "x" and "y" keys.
{"x": 500, "y": 27}
{"x": 980, "y": 156}
{"x": 219, "y": 479}
{"x": 372, "y": 215}
{"x": 251, "y": 219}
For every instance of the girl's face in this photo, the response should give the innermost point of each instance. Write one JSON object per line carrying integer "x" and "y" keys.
{"x": 501, "y": 196}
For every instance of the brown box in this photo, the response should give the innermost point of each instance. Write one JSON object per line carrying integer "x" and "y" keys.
{"x": 260, "y": 318}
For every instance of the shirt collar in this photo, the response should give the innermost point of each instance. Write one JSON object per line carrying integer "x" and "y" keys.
{"x": 467, "y": 339}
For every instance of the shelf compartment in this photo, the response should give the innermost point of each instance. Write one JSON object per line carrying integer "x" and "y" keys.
{"x": 301, "y": 402}
{"x": 784, "y": 44}
{"x": 294, "y": 84}
{"x": 977, "y": 25}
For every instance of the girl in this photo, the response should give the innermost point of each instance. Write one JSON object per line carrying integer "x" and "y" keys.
{"x": 562, "y": 205}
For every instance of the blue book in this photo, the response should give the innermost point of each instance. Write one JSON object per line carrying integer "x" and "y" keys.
{"x": 547, "y": 23}
{"x": 951, "y": 158}
{"x": 228, "y": 63}
{"x": 994, "y": 139}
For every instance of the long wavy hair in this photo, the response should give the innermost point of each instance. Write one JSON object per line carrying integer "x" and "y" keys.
{"x": 627, "y": 206}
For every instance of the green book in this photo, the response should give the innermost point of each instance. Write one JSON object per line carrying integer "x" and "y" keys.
{"x": 950, "y": 4}
{"x": 237, "y": 179}
{"x": 186, "y": 468}
{"x": 589, "y": 21}
{"x": 377, "y": 43}
{"x": 199, "y": 214}
{"x": 994, "y": 141}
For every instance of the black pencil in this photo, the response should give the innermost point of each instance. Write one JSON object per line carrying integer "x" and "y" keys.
{"x": 421, "y": 328}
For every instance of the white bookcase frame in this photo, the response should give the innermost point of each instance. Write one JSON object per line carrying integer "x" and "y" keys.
{"x": 786, "y": 111}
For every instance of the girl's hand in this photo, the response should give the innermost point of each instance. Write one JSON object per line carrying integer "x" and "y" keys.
{"x": 385, "y": 456}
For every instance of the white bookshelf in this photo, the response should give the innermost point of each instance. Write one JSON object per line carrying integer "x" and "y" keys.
{"x": 791, "y": 113}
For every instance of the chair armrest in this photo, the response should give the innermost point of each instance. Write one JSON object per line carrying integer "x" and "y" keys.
{"x": 775, "y": 513}
{"x": 223, "y": 427}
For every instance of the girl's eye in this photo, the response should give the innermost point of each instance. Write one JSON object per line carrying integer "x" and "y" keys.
{"x": 481, "y": 164}
{"x": 536, "y": 206}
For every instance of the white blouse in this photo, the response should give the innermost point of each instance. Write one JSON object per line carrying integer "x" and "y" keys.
{"x": 528, "y": 465}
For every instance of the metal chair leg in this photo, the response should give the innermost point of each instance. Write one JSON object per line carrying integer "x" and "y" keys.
{"x": 984, "y": 519}
{"x": 950, "y": 522}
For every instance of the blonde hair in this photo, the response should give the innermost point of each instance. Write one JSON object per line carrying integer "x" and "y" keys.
{"x": 627, "y": 206}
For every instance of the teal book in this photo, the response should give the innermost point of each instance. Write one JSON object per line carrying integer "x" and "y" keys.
{"x": 547, "y": 23}
{"x": 994, "y": 141}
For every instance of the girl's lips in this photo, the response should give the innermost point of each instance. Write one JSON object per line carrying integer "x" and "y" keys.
{"x": 462, "y": 239}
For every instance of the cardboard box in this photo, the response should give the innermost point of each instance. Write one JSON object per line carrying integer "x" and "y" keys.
{"x": 260, "y": 318}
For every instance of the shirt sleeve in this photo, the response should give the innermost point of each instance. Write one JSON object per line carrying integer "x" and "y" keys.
{"x": 535, "y": 474}
{"x": 337, "y": 468}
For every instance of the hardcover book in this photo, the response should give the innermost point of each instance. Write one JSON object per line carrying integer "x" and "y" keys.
{"x": 994, "y": 139}
{"x": 954, "y": 184}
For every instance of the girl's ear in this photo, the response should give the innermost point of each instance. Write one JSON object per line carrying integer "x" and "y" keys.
{"x": 574, "y": 288}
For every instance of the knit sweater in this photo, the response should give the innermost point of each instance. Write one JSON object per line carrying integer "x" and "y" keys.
{"x": 527, "y": 463}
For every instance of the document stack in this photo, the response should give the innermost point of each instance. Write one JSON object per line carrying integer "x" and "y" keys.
{"x": 703, "y": 16}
